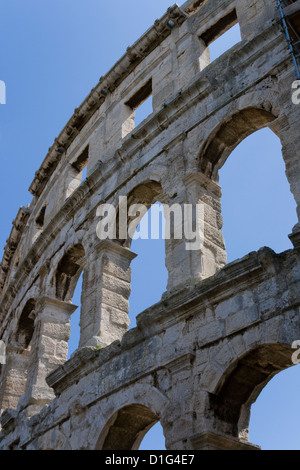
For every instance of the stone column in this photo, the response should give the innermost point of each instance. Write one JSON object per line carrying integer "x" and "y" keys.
{"x": 49, "y": 348}
{"x": 106, "y": 290}
{"x": 14, "y": 377}
{"x": 189, "y": 260}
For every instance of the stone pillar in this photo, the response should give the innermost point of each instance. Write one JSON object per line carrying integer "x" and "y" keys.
{"x": 254, "y": 16}
{"x": 179, "y": 420}
{"x": 289, "y": 135}
{"x": 190, "y": 422}
{"x": 14, "y": 377}
{"x": 190, "y": 260}
{"x": 192, "y": 56}
{"x": 49, "y": 348}
{"x": 106, "y": 290}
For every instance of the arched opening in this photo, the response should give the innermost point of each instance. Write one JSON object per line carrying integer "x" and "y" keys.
{"x": 149, "y": 275}
{"x": 228, "y": 135}
{"x": 25, "y": 328}
{"x": 126, "y": 429}
{"x": 258, "y": 210}
{"x": 137, "y": 203}
{"x": 144, "y": 235}
{"x": 16, "y": 367}
{"x": 257, "y": 206}
{"x": 154, "y": 439}
{"x": 68, "y": 272}
{"x": 239, "y": 388}
{"x": 274, "y": 416}
{"x": 68, "y": 287}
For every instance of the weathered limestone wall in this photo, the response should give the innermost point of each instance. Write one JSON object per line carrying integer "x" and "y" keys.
{"x": 187, "y": 362}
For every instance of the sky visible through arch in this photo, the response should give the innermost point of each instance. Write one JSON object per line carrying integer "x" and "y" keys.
{"x": 53, "y": 53}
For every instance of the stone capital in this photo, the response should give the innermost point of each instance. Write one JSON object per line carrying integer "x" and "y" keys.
{"x": 181, "y": 363}
{"x": 213, "y": 441}
{"x": 48, "y": 307}
{"x": 108, "y": 246}
{"x": 12, "y": 349}
{"x": 201, "y": 181}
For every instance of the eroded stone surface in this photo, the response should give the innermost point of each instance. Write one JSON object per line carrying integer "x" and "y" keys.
{"x": 199, "y": 358}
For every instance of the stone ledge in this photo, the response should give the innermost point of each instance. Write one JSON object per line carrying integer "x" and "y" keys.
{"x": 183, "y": 298}
{"x": 212, "y": 441}
{"x": 8, "y": 419}
{"x": 292, "y": 9}
{"x": 295, "y": 239}
{"x": 12, "y": 243}
{"x": 73, "y": 367}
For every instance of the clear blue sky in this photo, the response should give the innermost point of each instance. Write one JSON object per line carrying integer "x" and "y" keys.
{"x": 53, "y": 52}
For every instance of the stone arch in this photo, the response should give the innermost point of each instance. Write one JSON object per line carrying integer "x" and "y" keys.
{"x": 18, "y": 347}
{"x": 149, "y": 196}
{"x": 240, "y": 369}
{"x": 127, "y": 428}
{"x": 145, "y": 193}
{"x": 67, "y": 269}
{"x": 68, "y": 272}
{"x": 141, "y": 407}
{"x": 55, "y": 439}
{"x": 242, "y": 382}
{"x": 229, "y": 134}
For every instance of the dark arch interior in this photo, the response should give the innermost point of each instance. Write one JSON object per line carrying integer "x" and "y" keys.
{"x": 26, "y": 325}
{"x": 68, "y": 272}
{"x": 146, "y": 193}
{"x": 128, "y": 427}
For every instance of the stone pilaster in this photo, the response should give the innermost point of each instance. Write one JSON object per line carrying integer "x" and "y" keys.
{"x": 201, "y": 255}
{"x": 106, "y": 290}
{"x": 291, "y": 155}
{"x": 49, "y": 348}
{"x": 254, "y": 15}
{"x": 14, "y": 377}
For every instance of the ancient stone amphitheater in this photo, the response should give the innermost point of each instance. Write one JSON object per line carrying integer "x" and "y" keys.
{"x": 198, "y": 359}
